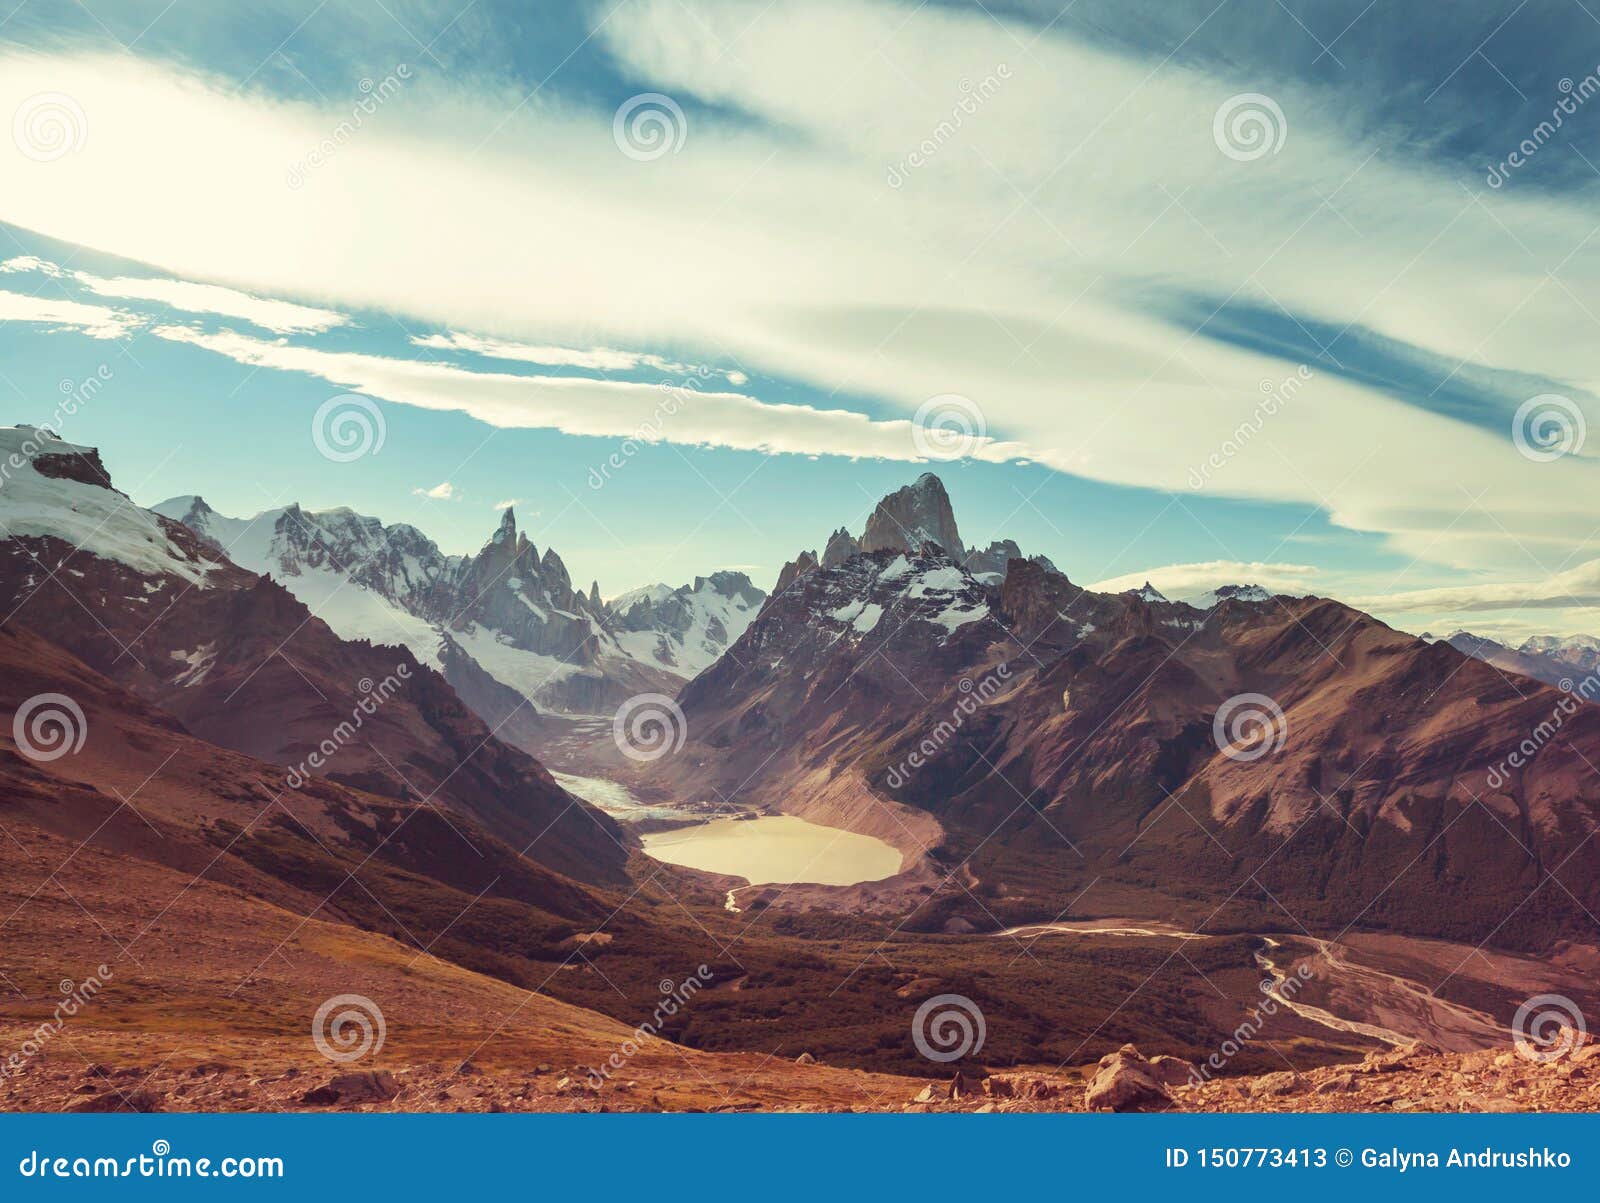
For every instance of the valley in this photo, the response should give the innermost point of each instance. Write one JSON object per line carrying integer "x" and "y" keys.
{"x": 914, "y": 771}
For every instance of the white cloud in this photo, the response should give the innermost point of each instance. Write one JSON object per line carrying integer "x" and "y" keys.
{"x": 1013, "y": 269}
{"x": 579, "y": 405}
{"x": 94, "y": 320}
{"x": 443, "y": 491}
{"x": 281, "y": 317}
{"x": 1179, "y": 581}
{"x": 1574, "y": 588}
{"x": 595, "y": 359}
{"x": 507, "y": 503}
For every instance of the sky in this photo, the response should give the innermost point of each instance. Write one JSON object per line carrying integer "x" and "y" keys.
{"x": 1301, "y": 294}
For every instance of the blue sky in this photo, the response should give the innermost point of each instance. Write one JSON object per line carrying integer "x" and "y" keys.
{"x": 859, "y": 213}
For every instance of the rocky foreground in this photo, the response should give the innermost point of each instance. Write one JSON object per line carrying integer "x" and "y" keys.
{"x": 1413, "y": 1079}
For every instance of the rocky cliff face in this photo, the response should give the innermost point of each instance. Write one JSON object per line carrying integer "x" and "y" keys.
{"x": 687, "y": 628}
{"x": 245, "y": 665}
{"x": 1046, "y": 725}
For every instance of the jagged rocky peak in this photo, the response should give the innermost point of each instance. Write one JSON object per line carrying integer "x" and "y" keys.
{"x": 1236, "y": 593}
{"x": 914, "y": 515}
{"x": 841, "y": 546}
{"x": 1148, "y": 593}
{"x": 805, "y": 562}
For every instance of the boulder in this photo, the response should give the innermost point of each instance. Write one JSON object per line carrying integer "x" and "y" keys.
{"x": 361, "y": 1086}
{"x": 1174, "y": 1071}
{"x": 1125, "y": 1081}
{"x": 805, "y": 1059}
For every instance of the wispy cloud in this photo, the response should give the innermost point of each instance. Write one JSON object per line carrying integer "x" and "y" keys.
{"x": 96, "y": 321}
{"x": 580, "y": 405}
{"x": 594, "y": 359}
{"x": 443, "y": 491}
{"x": 1180, "y": 581}
{"x": 281, "y": 317}
{"x": 1576, "y": 588}
{"x": 1029, "y": 267}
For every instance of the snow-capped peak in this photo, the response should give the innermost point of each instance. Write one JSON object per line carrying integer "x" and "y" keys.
{"x": 1222, "y": 593}
{"x": 1149, "y": 593}
{"x": 59, "y": 490}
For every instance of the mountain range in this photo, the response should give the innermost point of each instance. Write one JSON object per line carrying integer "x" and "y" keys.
{"x": 504, "y": 626}
{"x": 310, "y": 713}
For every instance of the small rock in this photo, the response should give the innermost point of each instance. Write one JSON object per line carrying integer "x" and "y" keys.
{"x": 1273, "y": 1085}
{"x": 805, "y": 1059}
{"x": 1338, "y": 1084}
{"x": 918, "y": 985}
